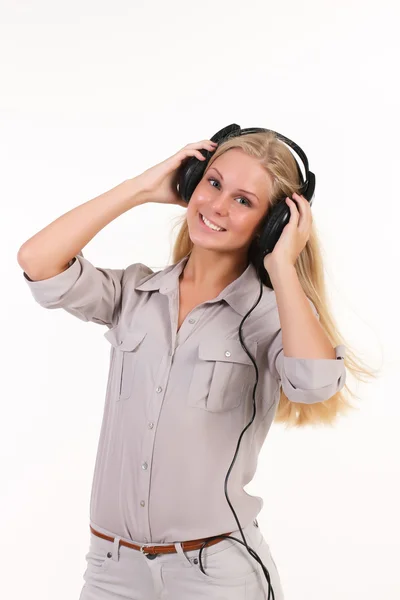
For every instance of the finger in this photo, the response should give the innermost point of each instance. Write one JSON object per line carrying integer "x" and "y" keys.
{"x": 304, "y": 208}
{"x": 294, "y": 214}
{"x": 209, "y": 144}
{"x": 193, "y": 152}
{"x": 296, "y": 199}
{"x": 303, "y": 202}
{"x": 203, "y": 143}
{"x": 206, "y": 147}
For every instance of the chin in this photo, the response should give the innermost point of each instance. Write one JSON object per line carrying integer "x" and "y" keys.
{"x": 200, "y": 242}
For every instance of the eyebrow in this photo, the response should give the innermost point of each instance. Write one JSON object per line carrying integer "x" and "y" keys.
{"x": 239, "y": 190}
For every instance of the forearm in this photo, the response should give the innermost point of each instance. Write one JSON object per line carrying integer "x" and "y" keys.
{"x": 302, "y": 334}
{"x": 49, "y": 251}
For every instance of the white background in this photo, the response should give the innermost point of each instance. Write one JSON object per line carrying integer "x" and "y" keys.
{"x": 93, "y": 93}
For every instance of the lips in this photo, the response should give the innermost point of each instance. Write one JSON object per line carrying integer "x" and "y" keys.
{"x": 216, "y": 224}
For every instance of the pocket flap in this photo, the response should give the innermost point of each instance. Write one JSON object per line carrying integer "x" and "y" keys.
{"x": 227, "y": 350}
{"x": 124, "y": 340}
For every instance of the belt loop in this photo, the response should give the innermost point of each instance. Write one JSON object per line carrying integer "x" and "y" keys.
{"x": 179, "y": 550}
{"x": 115, "y": 553}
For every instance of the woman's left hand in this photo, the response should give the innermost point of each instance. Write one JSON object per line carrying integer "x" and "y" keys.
{"x": 294, "y": 236}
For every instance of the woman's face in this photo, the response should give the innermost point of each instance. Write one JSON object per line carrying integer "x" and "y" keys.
{"x": 232, "y": 194}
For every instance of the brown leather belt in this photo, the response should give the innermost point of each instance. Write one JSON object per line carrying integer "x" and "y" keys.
{"x": 168, "y": 549}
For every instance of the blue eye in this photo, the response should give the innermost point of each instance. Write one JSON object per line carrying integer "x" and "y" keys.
{"x": 243, "y": 197}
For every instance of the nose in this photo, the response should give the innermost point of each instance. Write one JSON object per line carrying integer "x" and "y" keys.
{"x": 220, "y": 204}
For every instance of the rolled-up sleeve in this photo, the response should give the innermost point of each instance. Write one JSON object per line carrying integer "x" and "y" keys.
{"x": 307, "y": 380}
{"x": 85, "y": 291}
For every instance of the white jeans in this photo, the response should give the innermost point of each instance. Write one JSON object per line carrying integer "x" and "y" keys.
{"x": 116, "y": 572}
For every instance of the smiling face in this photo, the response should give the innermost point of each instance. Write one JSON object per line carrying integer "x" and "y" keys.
{"x": 232, "y": 194}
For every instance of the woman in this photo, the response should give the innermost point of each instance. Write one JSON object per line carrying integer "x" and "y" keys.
{"x": 180, "y": 384}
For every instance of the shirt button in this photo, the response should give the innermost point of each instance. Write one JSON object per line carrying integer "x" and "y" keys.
{"x": 159, "y": 389}
{"x": 144, "y": 465}
{"x": 142, "y": 503}
{"x": 227, "y": 353}
{"x": 192, "y": 321}
{"x": 150, "y": 425}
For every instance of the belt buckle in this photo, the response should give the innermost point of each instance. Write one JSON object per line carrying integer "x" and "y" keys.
{"x": 147, "y": 554}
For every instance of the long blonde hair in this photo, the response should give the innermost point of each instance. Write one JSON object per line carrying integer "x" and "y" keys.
{"x": 280, "y": 164}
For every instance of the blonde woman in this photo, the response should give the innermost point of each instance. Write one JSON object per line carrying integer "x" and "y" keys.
{"x": 180, "y": 385}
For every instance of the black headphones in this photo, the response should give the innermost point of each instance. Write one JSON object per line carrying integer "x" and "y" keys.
{"x": 192, "y": 171}
{"x": 190, "y": 174}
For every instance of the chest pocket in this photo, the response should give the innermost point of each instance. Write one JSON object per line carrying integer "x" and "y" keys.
{"x": 223, "y": 374}
{"x": 126, "y": 347}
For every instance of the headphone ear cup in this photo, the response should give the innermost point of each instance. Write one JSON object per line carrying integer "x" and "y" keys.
{"x": 273, "y": 227}
{"x": 309, "y": 190}
{"x": 190, "y": 173}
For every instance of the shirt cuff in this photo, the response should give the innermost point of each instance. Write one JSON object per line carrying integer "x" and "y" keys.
{"x": 310, "y": 380}
{"x": 45, "y": 290}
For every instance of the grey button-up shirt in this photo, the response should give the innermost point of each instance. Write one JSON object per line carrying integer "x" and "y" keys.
{"x": 177, "y": 402}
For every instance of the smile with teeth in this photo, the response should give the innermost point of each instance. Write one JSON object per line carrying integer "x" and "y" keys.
{"x": 211, "y": 225}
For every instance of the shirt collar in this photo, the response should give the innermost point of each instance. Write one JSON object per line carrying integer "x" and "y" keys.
{"x": 241, "y": 294}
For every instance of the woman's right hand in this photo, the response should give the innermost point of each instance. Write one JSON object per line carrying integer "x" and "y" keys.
{"x": 159, "y": 183}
